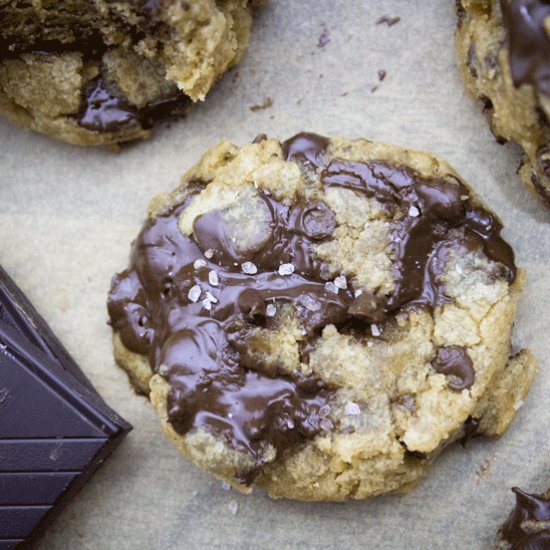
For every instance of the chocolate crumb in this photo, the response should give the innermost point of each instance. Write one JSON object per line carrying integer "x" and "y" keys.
{"x": 390, "y": 21}
{"x": 381, "y": 74}
{"x": 324, "y": 38}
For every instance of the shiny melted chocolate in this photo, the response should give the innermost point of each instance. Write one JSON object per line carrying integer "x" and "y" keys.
{"x": 529, "y": 43}
{"x": 455, "y": 361}
{"x": 104, "y": 110}
{"x": 103, "y": 107}
{"x": 531, "y": 508}
{"x": 194, "y": 304}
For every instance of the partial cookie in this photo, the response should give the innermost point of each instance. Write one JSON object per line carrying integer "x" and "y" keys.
{"x": 97, "y": 72}
{"x": 503, "y": 51}
{"x": 528, "y": 526}
{"x": 321, "y": 317}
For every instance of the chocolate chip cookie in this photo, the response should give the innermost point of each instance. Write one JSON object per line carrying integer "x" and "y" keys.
{"x": 321, "y": 317}
{"x": 103, "y": 71}
{"x": 503, "y": 51}
{"x": 528, "y": 526}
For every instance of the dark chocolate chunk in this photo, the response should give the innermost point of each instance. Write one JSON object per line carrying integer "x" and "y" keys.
{"x": 55, "y": 430}
{"x": 105, "y": 110}
{"x": 17, "y": 311}
{"x": 528, "y": 42}
{"x": 201, "y": 329}
{"x": 455, "y": 361}
{"x": 530, "y": 508}
{"x": 471, "y": 426}
{"x": 307, "y": 149}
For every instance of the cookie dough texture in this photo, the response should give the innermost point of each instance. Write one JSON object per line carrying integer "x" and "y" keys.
{"x": 517, "y": 109}
{"x": 388, "y": 412}
{"x": 100, "y": 71}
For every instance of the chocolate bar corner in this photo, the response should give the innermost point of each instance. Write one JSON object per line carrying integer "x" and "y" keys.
{"x": 55, "y": 429}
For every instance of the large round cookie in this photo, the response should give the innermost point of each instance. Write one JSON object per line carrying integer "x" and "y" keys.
{"x": 96, "y": 72}
{"x": 321, "y": 317}
{"x": 503, "y": 51}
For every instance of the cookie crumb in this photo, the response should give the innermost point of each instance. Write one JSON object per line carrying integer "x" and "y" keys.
{"x": 518, "y": 405}
{"x": 194, "y": 293}
{"x": 266, "y": 104}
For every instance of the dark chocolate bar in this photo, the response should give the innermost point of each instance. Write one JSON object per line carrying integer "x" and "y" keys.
{"x": 55, "y": 430}
{"x": 16, "y": 310}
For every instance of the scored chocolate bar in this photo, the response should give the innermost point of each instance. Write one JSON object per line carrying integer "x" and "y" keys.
{"x": 55, "y": 430}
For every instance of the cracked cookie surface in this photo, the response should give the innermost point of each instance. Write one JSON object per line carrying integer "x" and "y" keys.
{"x": 103, "y": 72}
{"x": 321, "y": 317}
{"x": 502, "y": 49}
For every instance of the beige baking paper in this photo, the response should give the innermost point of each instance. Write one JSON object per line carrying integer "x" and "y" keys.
{"x": 68, "y": 215}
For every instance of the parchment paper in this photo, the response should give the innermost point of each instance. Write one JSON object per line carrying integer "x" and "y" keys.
{"x": 68, "y": 215}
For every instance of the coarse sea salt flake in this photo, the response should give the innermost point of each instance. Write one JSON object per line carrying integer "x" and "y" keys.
{"x": 352, "y": 409}
{"x": 163, "y": 370}
{"x": 311, "y": 303}
{"x": 270, "y": 310}
{"x": 249, "y": 268}
{"x": 233, "y": 507}
{"x": 207, "y": 304}
{"x": 194, "y": 293}
{"x": 213, "y": 278}
{"x": 211, "y": 298}
{"x": 197, "y": 264}
{"x": 341, "y": 282}
{"x": 209, "y": 253}
{"x": 414, "y": 212}
{"x": 375, "y": 330}
{"x": 286, "y": 269}
{"x": 331, "y": 287}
